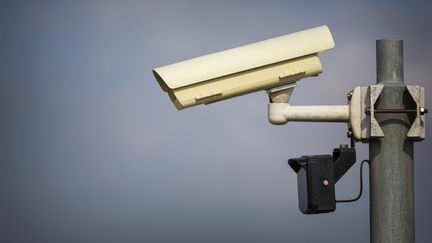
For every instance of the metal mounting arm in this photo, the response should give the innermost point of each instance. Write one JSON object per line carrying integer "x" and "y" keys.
{"x": 281, "y": 113}
{"x": 359, "y": 114}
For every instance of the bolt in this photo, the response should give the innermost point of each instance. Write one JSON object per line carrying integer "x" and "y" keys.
{"x": 325, "y": 182}
{"x": 423, "y": 110}
{"x": 349, "y": 134}
{"x": 343, "y": 146}
{"x": 349, "y": 95}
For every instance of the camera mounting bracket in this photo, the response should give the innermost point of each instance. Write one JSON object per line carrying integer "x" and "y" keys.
{"x": 363, "y": 125}
{"x": 359, "y": 114}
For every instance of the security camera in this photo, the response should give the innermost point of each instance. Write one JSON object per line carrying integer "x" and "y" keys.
{"x": 274, "y": 64}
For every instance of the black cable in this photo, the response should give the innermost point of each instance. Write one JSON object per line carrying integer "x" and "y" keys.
{"x": 361, "y": 185}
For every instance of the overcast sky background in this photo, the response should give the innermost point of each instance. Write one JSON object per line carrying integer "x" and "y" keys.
{"x": 92, "y": 150}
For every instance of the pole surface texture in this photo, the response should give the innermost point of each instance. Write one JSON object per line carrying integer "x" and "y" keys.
{"x": 391, "y": 157}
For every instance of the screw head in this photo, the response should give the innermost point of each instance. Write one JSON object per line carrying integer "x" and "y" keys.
{"x": 325, "y": 182}
{"x": 349, "y": 95}
{"x": 343, "y": 146}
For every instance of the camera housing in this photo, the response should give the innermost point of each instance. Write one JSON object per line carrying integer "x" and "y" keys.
{"x": 259, "y": 66}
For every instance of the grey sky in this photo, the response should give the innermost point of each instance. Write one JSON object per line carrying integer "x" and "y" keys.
{"x": 91, "y": 149}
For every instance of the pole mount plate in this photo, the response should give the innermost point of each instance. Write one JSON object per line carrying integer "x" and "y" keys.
{"x": 363, "y": 125}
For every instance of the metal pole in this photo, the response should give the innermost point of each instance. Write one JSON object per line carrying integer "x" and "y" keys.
{"x": 391, "y": 157}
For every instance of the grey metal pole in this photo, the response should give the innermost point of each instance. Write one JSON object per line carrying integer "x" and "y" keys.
{"x": 391, "y": 157}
